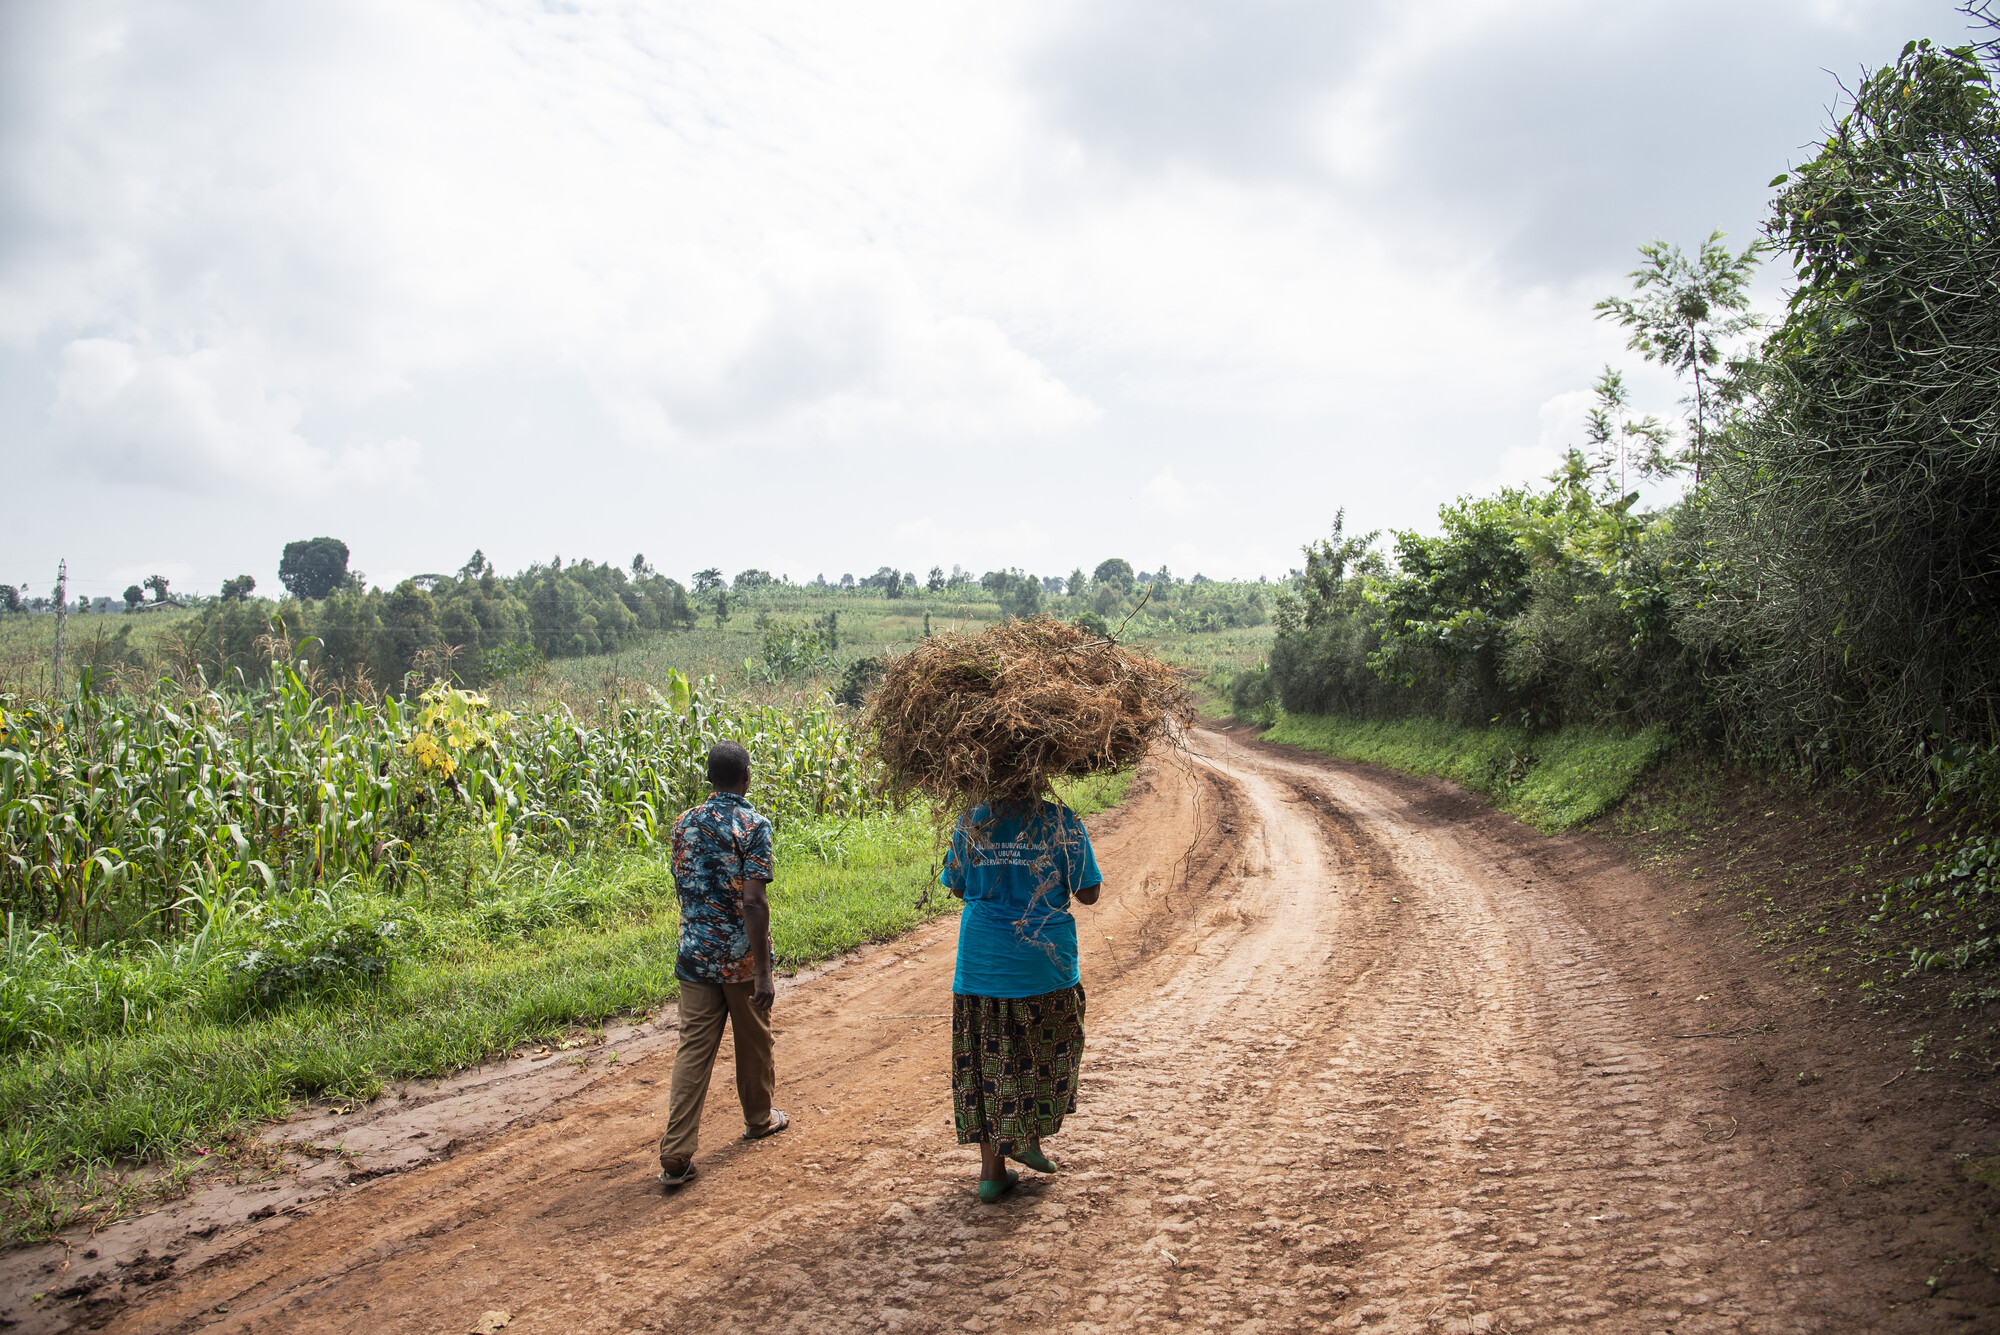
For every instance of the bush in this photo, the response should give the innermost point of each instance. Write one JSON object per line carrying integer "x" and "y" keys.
{"x": 300, "y": 957}
{"x": 863, "y": 675}
{"x": 1252, "y": 698}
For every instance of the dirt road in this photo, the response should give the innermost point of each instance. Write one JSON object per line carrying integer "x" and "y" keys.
{"x": 1361, "y": 1055}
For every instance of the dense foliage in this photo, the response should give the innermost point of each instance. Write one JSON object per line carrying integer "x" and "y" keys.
{"x": 1827, "y": 593}
{"x": 1845, "y": 563}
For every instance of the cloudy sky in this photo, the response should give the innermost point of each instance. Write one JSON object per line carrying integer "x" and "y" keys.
{"x": 825, "y": 287}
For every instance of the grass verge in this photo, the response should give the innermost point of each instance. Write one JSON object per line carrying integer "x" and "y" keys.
{"x": 1554, "y": 781}
{"x": 1099, "y": 792}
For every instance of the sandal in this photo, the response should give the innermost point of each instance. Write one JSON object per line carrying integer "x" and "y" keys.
{"x": 671, "y": 1178}
{"x": 779, "y": 1121}
{"x": 990, "y": 1192}
{"x": 1035, "y": 1159}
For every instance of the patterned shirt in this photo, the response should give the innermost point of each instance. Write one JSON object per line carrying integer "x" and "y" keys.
{"x": 717, "y": 847}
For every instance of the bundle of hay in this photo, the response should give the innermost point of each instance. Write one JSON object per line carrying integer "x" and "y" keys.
{"x": 998, "y": 715}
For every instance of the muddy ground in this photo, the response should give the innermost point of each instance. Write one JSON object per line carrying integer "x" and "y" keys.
{"x": 1362, "y": 1054}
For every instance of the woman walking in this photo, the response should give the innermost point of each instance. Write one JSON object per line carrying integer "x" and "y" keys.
{"x": 1017, "y": 996}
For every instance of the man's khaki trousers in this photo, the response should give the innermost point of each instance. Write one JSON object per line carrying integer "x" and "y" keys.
{"x": 705, "y": 1007}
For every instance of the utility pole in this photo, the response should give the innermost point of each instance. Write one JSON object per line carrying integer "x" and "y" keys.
{"x": 62, "y": 618}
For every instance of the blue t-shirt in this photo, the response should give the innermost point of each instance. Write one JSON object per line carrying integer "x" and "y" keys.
{"x": 1016, "y": 937}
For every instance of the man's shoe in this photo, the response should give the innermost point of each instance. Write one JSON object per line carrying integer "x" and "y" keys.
{"x": 676, "y": 1172}
{"x": 779, "y": 1121}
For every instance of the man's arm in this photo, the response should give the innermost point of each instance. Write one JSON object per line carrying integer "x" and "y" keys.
{"x": 757, "y": 921}
{"x": 1088, "y": 895}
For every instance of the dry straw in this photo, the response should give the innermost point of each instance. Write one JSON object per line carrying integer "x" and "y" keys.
{"x": 999, "y": 715}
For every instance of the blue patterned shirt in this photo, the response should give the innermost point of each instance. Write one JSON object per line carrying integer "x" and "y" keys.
{"x": 717, "y": 847}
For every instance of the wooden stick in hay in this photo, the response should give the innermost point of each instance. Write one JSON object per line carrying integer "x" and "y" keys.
{"x": 998, "y": 716}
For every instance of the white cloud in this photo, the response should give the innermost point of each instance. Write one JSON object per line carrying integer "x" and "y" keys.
{"x": 1168, "y": 494}
{"x": 748, "y": 284}
{"x": 201, "y": 421}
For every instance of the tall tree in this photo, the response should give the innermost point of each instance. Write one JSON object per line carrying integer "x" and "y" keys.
{"x": 1686, "y": 312}
{"x": 313, "y": 567}
{"x": 1116, "y": 572}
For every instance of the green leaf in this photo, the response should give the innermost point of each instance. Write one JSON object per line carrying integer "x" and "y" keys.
{"x": 1781, "y": 178}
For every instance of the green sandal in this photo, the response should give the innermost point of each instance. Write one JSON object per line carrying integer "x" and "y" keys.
{"x": 990, "y": 1192}
{"x": 1035, "y": 1159}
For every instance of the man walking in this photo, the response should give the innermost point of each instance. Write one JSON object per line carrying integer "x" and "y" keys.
{"x": 722, "y": 866}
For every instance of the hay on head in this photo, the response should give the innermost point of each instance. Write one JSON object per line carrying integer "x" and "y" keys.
{"x": 999, "y": 715}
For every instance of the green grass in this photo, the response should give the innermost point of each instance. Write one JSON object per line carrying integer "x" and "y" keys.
{"x": 1099, "y": 792}
{"x": 1554, "y": 781}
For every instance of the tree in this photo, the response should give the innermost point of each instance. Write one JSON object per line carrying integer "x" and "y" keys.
{"x": 1625, "y": 442}
{"x": 753, "y": 579}
{"x": 721, "y": 607}
{"x": 158, "y": 584}
{"x": 1022, "y": 597}
{"x": 238, "y": 590}
{"x": 681, "y": 608}
{"x": 641, "y": 568}
{"x": 707, "y": 581}
{"x": 1079, "y": 583}
{"x": 10, "y": 598}
{"x": 1687, "y": 309}
{"x": 313, "y": 567}
{"x": 888, "y": 579}
{"x": 936, "y": 581}
{"x": 1117, "y": 572}
{"x": 134, "y": 595}
{"x": 475, "y": 567}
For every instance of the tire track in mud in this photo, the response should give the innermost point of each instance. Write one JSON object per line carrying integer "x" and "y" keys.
{"x": 1347, "y": 1067}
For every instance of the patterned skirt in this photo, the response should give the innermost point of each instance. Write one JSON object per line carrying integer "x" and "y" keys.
{"x": 1014, "y": 1063}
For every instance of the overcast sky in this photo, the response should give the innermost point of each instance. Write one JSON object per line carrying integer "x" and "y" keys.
{"x": 823, "y": 287}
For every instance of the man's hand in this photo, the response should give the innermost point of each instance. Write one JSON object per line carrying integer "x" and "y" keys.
{"x": 757, "y": 921}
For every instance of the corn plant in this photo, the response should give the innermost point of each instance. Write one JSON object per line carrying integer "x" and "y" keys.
{"x": 123, "y": 817}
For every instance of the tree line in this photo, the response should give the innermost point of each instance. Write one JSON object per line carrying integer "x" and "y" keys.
{"x": 476, "y": 625}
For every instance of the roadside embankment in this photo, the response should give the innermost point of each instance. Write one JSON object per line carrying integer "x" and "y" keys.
{"x": 1552, "y": 780}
